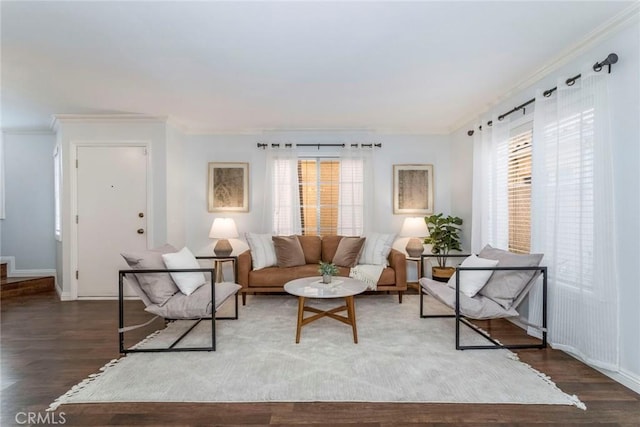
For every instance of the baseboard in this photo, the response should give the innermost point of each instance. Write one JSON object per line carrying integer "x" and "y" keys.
{"x": 627, "y": 379}
{"x": 13, "y": 272}
{"x": 106, "y": 298}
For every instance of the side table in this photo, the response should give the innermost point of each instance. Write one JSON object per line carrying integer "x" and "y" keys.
{"x": 218, "y": 262}
{"x": 418, "y": 261}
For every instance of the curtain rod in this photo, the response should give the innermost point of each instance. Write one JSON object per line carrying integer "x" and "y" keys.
{"x": 611, "y": 59}
{"x": 264, "y": 146}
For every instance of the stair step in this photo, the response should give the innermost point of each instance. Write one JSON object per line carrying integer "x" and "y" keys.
{"x": 16, "y": 286}
{"x": 3, "y": 270}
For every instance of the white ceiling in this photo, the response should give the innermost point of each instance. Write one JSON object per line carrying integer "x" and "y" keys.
{"x": 244, "y": 66}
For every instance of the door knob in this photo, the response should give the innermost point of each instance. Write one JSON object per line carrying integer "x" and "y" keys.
{"x": 140, "y": 231}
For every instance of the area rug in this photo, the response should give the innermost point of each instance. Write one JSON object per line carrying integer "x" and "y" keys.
{"x": 399, "y": 358}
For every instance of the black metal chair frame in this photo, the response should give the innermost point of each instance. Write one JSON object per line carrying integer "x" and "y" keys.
{"x": 172, "y": 348}
{"x": 463, "y": 319}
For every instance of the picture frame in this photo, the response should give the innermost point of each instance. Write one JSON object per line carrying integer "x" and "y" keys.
{"x": 228, "y": 187}
{"x": 413, "y": 189}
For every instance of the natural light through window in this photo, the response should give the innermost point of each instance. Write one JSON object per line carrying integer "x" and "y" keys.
{"x": 319, "y": 195}
{"x": 519, "y": 191}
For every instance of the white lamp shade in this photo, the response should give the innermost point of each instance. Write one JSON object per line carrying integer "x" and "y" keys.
{"x": 414, "y": 227}
{"x": 223, "y": 228}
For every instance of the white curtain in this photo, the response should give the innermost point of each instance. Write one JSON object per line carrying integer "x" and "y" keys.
{"x": 490, "y": 215}
{"x": 282, "y": 208}
{"x": 355, "y": 190}
{"x": 572, "y": 219}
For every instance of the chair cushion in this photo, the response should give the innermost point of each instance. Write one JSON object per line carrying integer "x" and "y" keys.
{"x": 505, "y": 286}
{"x": 288, "y": 251}
{"x": 158, "y": 287}
{"x": 478, "y": 307}
{"x": 473, "y": 280}
{"x": 187, "y": 282}
{"x": 348, "y": 251}
{"x": 196, "y": 305}
{"x": 263, "y": 253}
{"x": 376, "y": 248}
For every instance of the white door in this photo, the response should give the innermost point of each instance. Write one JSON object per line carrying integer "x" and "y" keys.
{"x": 112, "y": 214}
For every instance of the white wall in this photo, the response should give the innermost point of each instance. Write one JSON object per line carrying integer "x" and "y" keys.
{"x": 396, "y": 149}
{"x": 27, "y": 230}
{"x": 625, "y": 116}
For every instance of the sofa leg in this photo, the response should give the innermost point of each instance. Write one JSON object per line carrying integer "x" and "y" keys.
{"x": 244, "y": 298}
{"x": 399, "y": 297}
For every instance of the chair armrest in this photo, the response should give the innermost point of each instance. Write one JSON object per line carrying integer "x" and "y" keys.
{"x": 398, "y": 261}
{"x": 244, "y": 267}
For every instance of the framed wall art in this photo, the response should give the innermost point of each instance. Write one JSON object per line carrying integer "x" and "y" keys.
{"x": 413, "y": 189}
{"x": 228, "y": 189}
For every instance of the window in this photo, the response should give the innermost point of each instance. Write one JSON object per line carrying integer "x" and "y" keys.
{"x": 319, "y": 184}
{"x": 519, "y": 190}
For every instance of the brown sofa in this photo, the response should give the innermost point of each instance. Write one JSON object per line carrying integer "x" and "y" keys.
{"x": 316, "y": 249}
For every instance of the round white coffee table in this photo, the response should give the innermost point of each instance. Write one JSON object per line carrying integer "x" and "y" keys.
{"x": 312, "y": 287}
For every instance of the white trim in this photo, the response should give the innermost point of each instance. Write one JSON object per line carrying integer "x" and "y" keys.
{"x": 56, "y": 119}
{"x": 27, "y": 131}
{"x": 627, "y": 379}
{"x": 73, "y": 150}
{"x": 2, "y": 187}
{"x": 620, "y": 21}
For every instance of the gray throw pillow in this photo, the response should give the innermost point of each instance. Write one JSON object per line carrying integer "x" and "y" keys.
{"x": 288, "y": 251}
{"x": 159, "y": 287}
{"x": 348, "y": 251}
{"x": 504, "y": 286}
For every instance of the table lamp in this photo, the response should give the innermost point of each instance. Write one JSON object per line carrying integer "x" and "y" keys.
{"x": 223, "y": 229}
{"x": 416, "y": 228}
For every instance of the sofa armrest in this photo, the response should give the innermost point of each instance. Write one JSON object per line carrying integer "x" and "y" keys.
{"x": 244, "y": 267}
{"x": 398, "y": 261}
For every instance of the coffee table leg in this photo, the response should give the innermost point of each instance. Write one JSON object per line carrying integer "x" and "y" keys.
{"x": 351, "y": 314}
{"x": 300, "y": 318}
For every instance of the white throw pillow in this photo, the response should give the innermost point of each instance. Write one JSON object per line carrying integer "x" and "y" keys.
{"x": 472, "y": 281}
{"x": 187, "y": 282}
{"x": 263, "y": 252}
{"x": 376, "y": 248}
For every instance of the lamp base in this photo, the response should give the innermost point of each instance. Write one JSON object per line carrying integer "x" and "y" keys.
{"x": 414, "y": 247}
{"x": 223, "y": 248}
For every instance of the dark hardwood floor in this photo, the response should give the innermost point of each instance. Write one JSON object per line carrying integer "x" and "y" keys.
{"x": 48, "y": 346}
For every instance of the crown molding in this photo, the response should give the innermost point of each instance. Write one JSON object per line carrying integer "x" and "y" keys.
{"x": 27, "y": 131}
{"x": 622, "y": 20}
{"x": 56, "y": 119}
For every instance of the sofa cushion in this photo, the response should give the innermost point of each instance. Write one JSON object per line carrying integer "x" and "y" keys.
{"x": 312, "y": 248}
{"x": 329, "y": 247}
{"x": 158, "y": 287}
{"x": 263, "y": 253}
{"x": 376, "y": 248}
{"x": 288, "y": 251}
{"x": 504, "y": 286}
{"x": 187, "y": 282}
{"x": 348, "y": 251}
{"x": 277, "y": 277}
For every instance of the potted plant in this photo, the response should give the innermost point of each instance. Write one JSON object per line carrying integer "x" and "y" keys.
{"x": 327, "y": 269}
{"x": 443, "y": 238}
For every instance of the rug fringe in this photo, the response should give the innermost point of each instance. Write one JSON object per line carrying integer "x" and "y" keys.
{"x": 84, "y": 383}
{"x": 575, "y": 400}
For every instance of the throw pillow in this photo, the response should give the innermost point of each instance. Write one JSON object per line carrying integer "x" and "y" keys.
{"x": 187, "y": 282}
{"x": 348, "y": 252}
{"x": 158, "y": 287}
{"x": 376, "y": 248}
{"x": 288, "y": 251}
{"x": 473, "y": 280}
{"x": 505, "y": 286}
{"x": 263, "y": 253}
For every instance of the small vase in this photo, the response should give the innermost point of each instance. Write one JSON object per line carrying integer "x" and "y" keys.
{"x": 326, "y": 278}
